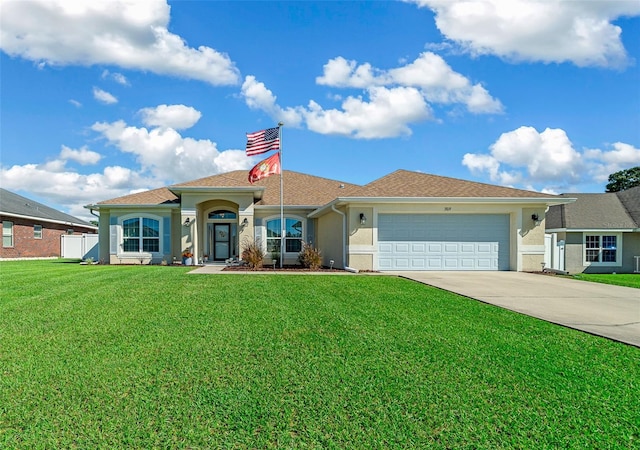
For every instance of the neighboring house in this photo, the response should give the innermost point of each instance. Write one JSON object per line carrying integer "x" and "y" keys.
{"x": 33, "y": 230}
{"x": 599, "y": 233}
{"x": 402, "y": 221}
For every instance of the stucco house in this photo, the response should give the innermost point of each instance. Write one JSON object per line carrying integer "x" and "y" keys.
{"x": 598, "y": 233}
{"x": 402, "y": 221}
{"x": 33, "y": 230}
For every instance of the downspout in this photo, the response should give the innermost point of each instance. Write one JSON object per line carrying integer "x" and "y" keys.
{"x": 344, "y": 243}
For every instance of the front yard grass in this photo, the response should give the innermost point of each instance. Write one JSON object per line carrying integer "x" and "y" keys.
{"x": 619, "y": 279}
{"x": 150, "y": 357}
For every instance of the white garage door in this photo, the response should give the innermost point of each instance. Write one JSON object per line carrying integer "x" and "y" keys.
{"x": 443, "y": 242}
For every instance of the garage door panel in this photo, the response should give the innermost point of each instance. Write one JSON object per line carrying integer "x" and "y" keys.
{"x": 467, "y": 248}
{"x": 443, "y": 242}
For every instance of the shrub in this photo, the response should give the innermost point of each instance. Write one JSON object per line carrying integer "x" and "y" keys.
{"x": 252, "y": 254}
{"x": 310, "y": 257}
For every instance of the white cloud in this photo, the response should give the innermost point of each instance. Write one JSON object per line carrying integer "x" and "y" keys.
{"x": 437, "y": 81}
{"x": 396, "y": 98}
{"x": 167, "y": 155}
{"x": 548, "y": 159}
{"x": 257, "y": 96}
{"x": 83, "y": 156}
{"x": 578, "y": 31}
{"x": 75, "y": 103}
{"x": 441, "y": 84}
{"x": 66, "y": 187}
{"x": 339, "y": 72}
{"x": 606, "y": 162}
{"x": 386, "y": 115}
{"x": 163, "y": 155}
{"x": 115, "y": 76}
{"x": 178, "y": 117}
{"x": 104, "y": 96}
{"x": 124, "y": 33}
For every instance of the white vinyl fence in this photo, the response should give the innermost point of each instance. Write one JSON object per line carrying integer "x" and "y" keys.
{"x": 83, "y": 246}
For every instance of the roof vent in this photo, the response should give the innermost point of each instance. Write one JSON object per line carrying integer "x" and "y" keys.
{"x": 341, "y": 186}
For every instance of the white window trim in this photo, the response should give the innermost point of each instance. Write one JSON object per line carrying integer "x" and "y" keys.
{"x": 122, "y": 219}
{"x": 286, "y": 216}
{"x": 35, "y": 233}
{"x": 9, "y": 234}
{"x": 618, "y": 261}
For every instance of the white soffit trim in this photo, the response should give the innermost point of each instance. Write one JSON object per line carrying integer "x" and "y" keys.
{"x": 448, "y": 200}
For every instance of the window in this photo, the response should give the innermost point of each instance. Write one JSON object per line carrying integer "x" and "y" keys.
{"x": 293, "y": 235}
{"x": 7, "y": 234}
{"x": 602, "y": 249}
{"x": 221, "y": 214}
{"x": 141, "y": 234}
{"x": 37, "y": 231}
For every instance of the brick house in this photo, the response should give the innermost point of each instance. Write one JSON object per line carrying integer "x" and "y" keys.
{"x": 32, "y": 230}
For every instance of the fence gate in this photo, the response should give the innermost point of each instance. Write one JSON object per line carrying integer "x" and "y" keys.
{"x": 78, "y": 246}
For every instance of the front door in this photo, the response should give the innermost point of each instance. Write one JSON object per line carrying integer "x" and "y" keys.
{"x": 221, "y": 241}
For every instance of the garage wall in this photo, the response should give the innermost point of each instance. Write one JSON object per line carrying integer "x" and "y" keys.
{"x": 531, "y": 236}
{"x": 329, "y": 239}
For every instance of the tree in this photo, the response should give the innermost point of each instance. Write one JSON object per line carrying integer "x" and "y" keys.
{"x": 623, "y": 179}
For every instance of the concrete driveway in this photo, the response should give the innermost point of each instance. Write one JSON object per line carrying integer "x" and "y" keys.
{"x": 600, "y": 309}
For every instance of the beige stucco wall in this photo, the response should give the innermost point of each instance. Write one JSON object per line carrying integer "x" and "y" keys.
{"x": 526, "y": 252}
{"x": 113, "y": 217}
{"x": 329, "y": 239}
{"x": 103, "y": 232}
{"x": 531, "y": 240}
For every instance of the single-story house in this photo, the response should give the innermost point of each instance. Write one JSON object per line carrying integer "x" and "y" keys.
{"x": 33, "y": 230}
{"x": 598, "y": 233}
{"x": 402, "y": 221}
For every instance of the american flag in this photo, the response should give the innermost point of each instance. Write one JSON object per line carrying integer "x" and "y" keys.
{"x": 263, "y": 141}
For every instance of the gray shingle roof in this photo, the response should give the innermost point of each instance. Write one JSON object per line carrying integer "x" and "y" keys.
{"x": 612, "y": 210}
{"x": 12, "y": 203}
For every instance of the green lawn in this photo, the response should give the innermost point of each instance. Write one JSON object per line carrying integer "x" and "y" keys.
{"x": 150, "y": 357}
{"x": 619, "y": 279}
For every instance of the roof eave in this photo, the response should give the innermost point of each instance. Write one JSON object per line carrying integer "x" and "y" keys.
{"x": 547, "y": 201}
{"x": 592, "y": 230}
{"x": 98, "y": 206}
{"x": 44, "y": 219}
{"x": 257, "y": 190}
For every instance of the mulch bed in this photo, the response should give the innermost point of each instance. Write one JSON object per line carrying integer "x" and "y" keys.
{"x": 278, "y": 269}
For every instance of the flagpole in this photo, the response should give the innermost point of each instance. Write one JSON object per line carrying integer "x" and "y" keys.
{"x": 282, "y": 225}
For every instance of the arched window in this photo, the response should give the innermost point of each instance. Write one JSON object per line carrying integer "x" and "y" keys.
{"x": 141, "y": 234}
{"x": 222, "y": 214}
{"x": 292, "y": 236}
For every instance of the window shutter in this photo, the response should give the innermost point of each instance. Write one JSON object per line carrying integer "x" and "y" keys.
{"x": 166, "y": 235}
{"x": 113, "y": 235}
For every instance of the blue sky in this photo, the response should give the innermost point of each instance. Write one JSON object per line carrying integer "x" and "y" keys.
{"x": 101, "y": 99}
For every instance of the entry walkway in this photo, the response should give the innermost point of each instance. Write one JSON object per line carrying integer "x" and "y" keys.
{"x": 600, "y": 309}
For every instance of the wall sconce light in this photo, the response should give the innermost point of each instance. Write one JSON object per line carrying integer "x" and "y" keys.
{"x": 187, "y": 222}
{"x": 245, "y": 222}
{"x": 363, "y": 219}
{"x": 536, "y": 219}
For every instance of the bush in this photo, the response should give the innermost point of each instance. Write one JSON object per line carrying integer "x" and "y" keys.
{"x": 252, "y": 254}
{"x": 310, "y": 257}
